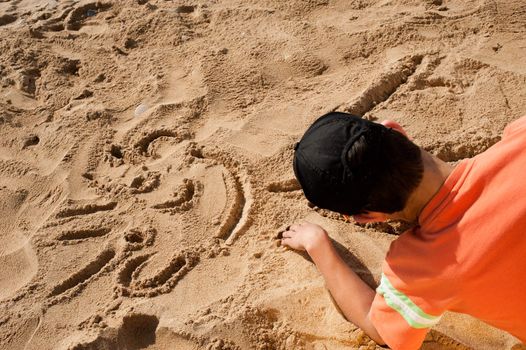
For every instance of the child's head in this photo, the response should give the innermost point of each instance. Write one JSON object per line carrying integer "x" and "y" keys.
{"x": 350, "y": 165}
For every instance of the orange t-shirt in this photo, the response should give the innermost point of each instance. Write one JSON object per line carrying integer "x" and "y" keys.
{"x": 468, "y": 253}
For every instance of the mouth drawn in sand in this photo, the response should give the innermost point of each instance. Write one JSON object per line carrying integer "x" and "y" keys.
{"x": 162, "y": 281}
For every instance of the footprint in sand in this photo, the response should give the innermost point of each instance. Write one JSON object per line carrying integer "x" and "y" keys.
{"x": 134, "y": 331}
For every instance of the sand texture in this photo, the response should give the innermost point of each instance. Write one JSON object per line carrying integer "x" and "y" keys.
{"x": 146, "y": 147}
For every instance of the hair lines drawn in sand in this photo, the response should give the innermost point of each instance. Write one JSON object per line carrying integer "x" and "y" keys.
{"x": 83, "y": 275}
{"x": 72, "y": 235}
{"x": 85, "y": 209}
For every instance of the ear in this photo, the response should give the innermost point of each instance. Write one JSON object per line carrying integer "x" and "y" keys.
{"x": 394, "y": 125}
{"x": 370, "y": 216}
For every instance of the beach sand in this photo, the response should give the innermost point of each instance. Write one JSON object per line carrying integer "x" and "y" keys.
{"x": 145, "y": 159}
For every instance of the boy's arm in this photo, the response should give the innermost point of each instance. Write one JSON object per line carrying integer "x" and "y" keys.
{"x": 353, "y": 296}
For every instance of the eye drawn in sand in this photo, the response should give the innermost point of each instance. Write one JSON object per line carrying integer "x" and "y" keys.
{"x": 139, "y": 237}
{"x": 151, "y": 143}
{"x": 212, "y": 192}
{"x": 145, "y": 144}
{"x": 184, "y": 197}
{"x": 171, "y": 191}
{"x": 145, "y": 183}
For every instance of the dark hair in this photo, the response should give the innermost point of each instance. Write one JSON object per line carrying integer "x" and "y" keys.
{"x": 398, "y": 174}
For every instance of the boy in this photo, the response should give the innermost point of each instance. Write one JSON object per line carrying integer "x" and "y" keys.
{"x": 466, "y": 252}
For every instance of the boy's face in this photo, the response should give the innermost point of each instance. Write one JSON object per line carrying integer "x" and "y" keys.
{"x": 370, "y": 216}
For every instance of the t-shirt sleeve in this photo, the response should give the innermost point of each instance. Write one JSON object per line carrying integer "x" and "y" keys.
{"x": 414, "y": 291}
{"x": 401, "y": 323}
{"x": 514, "y": 127}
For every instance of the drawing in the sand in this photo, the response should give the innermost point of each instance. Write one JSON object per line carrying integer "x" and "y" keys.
{"x": 146, "y": 151}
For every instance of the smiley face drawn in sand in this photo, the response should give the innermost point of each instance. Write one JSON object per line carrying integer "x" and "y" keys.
{"x": 182, "y": 203}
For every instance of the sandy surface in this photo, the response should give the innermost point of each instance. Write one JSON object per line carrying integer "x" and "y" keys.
{"x": 145, "y": 159}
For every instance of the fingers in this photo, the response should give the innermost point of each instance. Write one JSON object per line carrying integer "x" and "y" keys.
{"x": 294, "y": 227}
{"x": 289, "y": 234}
{"x": 286, "y": 234}
{"x": 281, "y": 232}
{"x": 285, "y": 242}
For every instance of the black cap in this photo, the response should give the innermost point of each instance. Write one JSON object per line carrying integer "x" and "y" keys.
{"x": 322, "y": 167}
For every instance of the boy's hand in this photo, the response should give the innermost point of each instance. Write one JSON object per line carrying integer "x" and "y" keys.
{"x": 304, "y": 236}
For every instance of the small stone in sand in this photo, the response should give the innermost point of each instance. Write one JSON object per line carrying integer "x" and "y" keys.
{"x": 140, "y": 110}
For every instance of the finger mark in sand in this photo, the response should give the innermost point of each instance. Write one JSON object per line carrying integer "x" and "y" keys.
{"x": 239, "y": 205}
{"x": 163, "y": 275}
{"x": 157, "y": 144}
{"x": 86, "y": 273}
{"x": 161, "y": 282}
{"x": 85, "y": 209}
{"x": 83, "y": 233}
{"x": 18, "y": 269}
{"x": 136, "y": 238}
{"x": 69, "y": 66}
{"x": 7, "y": 19}
{"x": 116, "y": 151}
{"x": 385, "y": 85}
{"x": 137, "y": 331}
{"x": 141, "y": 184}
{"x": 144, "y": 143}
{"x": 185, "y": 9}
{"x": 284, "y": 186}
{"x": 186, "y": 197}
{"x": 125, "y": 274}
{"x": 76, "y": 17}
{"x": 462, "y": 147}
